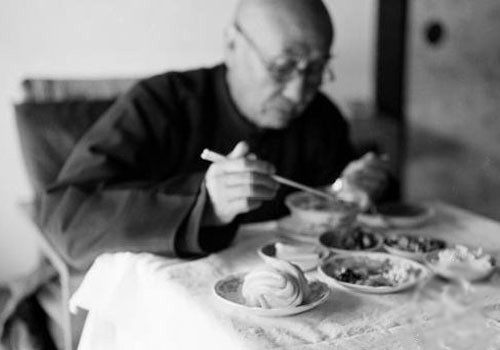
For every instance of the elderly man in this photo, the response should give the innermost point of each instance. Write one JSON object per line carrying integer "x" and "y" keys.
{"x": 135, "y": 181}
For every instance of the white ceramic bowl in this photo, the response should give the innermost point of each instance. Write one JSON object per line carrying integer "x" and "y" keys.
{"x": 307, "y": 258}
{"x": 312, "y": 209}
{"x": 461, "y": 263}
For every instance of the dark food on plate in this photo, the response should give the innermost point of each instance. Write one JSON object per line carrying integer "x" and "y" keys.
{"x": 370, "y": 272}
{"x": 414, "y": 244}
{"x": 359, "y": 238}
{"x": 401, "y": 210}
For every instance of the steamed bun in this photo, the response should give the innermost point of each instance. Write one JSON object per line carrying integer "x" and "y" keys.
{"x": 278, "y": 284}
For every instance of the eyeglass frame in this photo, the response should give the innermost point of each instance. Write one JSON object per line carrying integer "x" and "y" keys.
{"x": 270, "y": 66}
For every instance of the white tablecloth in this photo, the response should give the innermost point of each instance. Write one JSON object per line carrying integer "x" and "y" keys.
{"x": 143, "y": 301}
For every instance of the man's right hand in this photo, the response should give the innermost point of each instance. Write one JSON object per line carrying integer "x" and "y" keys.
{"x": 238, "y": 184}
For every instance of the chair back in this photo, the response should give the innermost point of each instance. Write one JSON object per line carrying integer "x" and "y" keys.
{"x": 54, "y": 115}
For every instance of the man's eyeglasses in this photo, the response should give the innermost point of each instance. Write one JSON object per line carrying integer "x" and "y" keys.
{"x": 284, "y": 69}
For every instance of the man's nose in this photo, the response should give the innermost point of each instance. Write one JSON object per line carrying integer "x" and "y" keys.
{"x": 294, "y": 89}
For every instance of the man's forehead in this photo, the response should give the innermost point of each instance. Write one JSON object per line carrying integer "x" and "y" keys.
{"x": 294, "y": 27}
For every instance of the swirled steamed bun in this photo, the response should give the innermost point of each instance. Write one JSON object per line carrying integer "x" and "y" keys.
{"x": 278, "y": 284}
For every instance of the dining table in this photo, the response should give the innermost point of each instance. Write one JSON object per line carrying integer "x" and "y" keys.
{"x": 147, "y": 301}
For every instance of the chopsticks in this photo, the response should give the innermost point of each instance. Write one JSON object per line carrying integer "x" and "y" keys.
{"x": 212, "y": 156}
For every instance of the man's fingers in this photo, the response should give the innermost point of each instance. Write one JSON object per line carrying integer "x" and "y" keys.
{"x": 243, "y": 205}
{"x": 239, "y": 183}
{"x": 241, "y": 186}
{"x": 368, "y": 177}
{"x": 373, "y": 161}
{"x": 371, "y": 174}
{"x": 370, "y": 156}
{"x": 246, "y": 178}
{"x": 253, "y": 191}
{"x": 239, "y": 151}
{"x": 370, "y": 184}
{"x": 252, "y": 156}
{"x": 245, "y": 165}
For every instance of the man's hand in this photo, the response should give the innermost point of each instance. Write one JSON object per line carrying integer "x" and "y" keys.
{"x": 238, "y": 184}
{"x": 369, "y": 174}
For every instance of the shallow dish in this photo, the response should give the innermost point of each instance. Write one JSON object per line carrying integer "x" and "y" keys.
{"x": 412, "y": 247}
{"x": 338, "y": 242}
{"x": 398, "y": 215}
{"x": 316, "y": 210}
{"x": 370, "y": 272}
{"x": 461, "y": 263}
{"x": 405, "y": 214}
{"x": 305, "y": 256}
{"x": 228, "y": 290}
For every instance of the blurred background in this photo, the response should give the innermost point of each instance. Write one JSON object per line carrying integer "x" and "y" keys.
{"x": 420, "y": 80}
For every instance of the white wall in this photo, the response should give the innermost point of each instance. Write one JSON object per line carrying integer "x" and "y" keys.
{"x": 95, "y": 38}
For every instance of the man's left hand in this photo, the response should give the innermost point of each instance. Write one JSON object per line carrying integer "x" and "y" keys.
{"x": 369, "y": 173}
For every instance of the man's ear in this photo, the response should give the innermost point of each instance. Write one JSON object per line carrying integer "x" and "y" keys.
{"x": 230, "y": 38}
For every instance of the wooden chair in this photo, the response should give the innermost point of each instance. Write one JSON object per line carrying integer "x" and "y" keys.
{"x": 51, "y": 118}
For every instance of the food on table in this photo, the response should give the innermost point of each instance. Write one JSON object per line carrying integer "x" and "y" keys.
{"x": 352, "y": 238}
{"x": 364, "y": 270}
{"x": 359, "y": 238}
{"x": 414, "y": 244}
{"x": 296, "y": 251}
{"x": 278, "y": 284}
{"x": 461, "y": 262}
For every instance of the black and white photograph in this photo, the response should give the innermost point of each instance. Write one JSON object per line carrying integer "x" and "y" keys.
{"x": 250, "y": 174}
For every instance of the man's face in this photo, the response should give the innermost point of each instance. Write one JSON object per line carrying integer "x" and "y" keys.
{"x": 274, "y": 75}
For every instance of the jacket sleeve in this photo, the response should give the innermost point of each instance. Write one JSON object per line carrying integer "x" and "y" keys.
{"x": 108, "y": 196}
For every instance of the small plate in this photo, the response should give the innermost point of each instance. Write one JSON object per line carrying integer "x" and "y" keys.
{"x": 228, "y": 290}
{"x": 332, "y": 241}
{"x": 415, "y": 272}
{"x": 429, "y": 244}
{"x": 306, "y": 263}
{"x": 474, "y": 265}
{"x": 398, "y": 215}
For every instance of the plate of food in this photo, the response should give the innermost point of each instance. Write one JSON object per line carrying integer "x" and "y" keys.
{"x": 357, "y": 238}
{"x": 276, "y": 289}
{"x": 398, "y": 215}
{"x": 370, "y": 272}
{"x": 312, "y": 209}
{"x": 412, "y": 246}
{"x": 461, "y": 263}
{"x": 305, "y": 256}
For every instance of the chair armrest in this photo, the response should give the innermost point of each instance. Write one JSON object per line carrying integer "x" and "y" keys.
{"x": 50, "y": 253}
